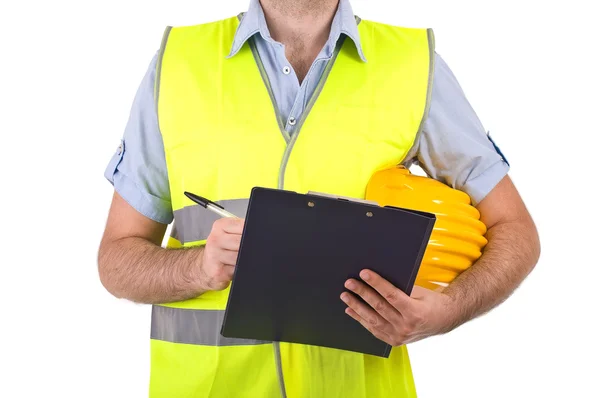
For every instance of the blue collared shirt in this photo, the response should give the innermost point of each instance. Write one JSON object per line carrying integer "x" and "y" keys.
{"x": 453, "y": 146}
{"x": 292, "y": 97}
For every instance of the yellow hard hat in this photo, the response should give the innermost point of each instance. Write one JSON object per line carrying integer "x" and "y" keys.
{"x": 458, "y": 236}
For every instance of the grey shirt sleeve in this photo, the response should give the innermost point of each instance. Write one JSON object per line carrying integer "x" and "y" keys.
{"x": 453, "y": 146}
{"x": 138, "y": 169}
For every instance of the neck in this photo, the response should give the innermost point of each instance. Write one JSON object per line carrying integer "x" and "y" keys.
{"x": 306, "y": 20}
{"x": 302, "y": 26}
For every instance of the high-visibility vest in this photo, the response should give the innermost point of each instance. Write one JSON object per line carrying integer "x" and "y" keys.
{"x": 223, "y": 136}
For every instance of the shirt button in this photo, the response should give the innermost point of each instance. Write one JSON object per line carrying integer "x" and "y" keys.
{"x": 286, "y": 70}
{"x": 292, "y": 121}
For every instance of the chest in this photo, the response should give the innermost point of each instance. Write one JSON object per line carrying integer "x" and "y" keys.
{"x": 223, "y": 136}
{"x": 301, "y": 56}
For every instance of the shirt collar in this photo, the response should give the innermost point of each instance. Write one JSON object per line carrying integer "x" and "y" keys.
{"x": 253, "y": 22}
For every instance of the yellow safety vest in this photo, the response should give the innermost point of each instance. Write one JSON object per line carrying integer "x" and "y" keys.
{"x": 222, "y": 136}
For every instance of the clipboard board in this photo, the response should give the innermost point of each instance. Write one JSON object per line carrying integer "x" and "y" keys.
{"x": 296, "y": 253}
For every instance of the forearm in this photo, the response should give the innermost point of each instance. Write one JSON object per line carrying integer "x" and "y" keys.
{"x": 138, "y": 270}
{"x": 511, "y": 253}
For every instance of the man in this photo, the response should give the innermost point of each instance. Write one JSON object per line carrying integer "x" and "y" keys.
{"x": 298, "y": 95}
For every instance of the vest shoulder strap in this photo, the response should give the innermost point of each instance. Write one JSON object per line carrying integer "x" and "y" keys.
{"x": 386, "y": 44}
{"x": 212, "y": 39}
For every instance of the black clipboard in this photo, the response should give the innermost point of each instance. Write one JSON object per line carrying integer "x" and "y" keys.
{"x": 297, "y": 250}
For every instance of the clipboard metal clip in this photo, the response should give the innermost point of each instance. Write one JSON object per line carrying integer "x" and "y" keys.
{"x": 326, "y": 195}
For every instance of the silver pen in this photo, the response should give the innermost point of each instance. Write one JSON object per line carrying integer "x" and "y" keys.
{"x": 209, "y": 205}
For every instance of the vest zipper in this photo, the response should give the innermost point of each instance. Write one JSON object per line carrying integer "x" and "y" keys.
{"x": 277, "y": 353}
{"x": 286, "y": 137}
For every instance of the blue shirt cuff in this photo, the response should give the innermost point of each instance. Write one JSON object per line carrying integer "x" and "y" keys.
{"x": 150, "y": 206}
{"x": 146, "y": 204}
{"x": 479, "y": 187}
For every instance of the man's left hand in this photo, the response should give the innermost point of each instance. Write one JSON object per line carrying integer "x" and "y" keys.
{"x": 393, "y": 316}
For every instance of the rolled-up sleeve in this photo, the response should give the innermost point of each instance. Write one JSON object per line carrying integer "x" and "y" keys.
{"x": 453, "y": 146}
{"x": 138, "y": 169}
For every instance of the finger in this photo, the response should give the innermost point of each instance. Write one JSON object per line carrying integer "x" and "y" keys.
{"x": 228, "y": 272}
{"x": 230, "y": 242}
{"x": 228, "y": 257}
{"x": 396, "y": 297}
{"x": 375, "y": 332}
{"x": 375, "y": 320}
{"x": 218, "y": 285}
{"x": 218, "y": 279}
{"x": 231, "y": 225}
{"x": 375, "y": 300}
{"x": 223, "y": 275}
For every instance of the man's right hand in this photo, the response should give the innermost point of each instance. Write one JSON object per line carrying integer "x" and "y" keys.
{"x": 133, "y": 265}
{"x": 220, "y": 253}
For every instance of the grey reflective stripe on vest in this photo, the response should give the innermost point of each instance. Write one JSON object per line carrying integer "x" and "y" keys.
{"x": 161, "y": 54}
{"x": 188, "y": 326}
{"x": 194, "y": 223}
{"x": 277, "y": 352}
{"x": 431, "y": 42}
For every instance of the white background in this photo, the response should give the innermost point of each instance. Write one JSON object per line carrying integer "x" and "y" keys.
{"x": 68, "y": 74}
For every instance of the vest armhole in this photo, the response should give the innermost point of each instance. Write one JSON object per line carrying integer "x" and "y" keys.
{"x": 431, "y": 44}
{"x": 159, "y": 61}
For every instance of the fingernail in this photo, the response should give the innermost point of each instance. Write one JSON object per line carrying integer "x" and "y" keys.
{"x": 365, "y": 275}
{"x": 350, "y": 284}
{"x": 344, "y": 297}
